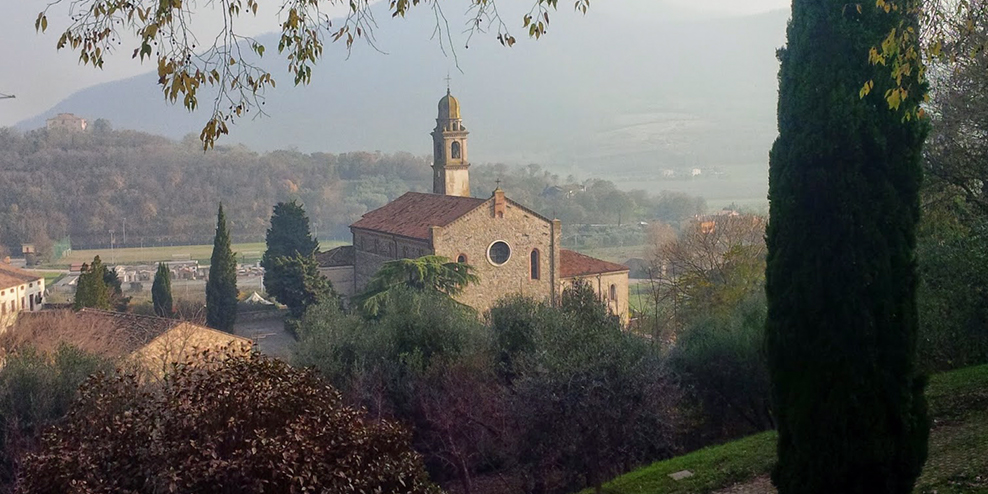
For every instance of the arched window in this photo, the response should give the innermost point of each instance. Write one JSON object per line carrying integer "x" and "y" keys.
{"x": 613, "y": 293}
{"x": 534, "y": 264}
{"x": 462, "y": 258}
{"x": 454, "y": 150}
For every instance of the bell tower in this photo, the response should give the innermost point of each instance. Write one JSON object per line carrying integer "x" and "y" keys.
{"x": 449, "y": 139}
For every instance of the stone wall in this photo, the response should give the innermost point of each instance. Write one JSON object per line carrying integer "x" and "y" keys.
{"x": 372, "y": 250}
{"x": 616, "y": 299}
{"x": 342, "y": 278}
{"x": 472, "y": 234}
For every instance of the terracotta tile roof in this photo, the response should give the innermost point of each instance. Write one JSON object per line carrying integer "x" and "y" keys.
{"x": 340, "y": 256}
{"x": 100, "y": 331}
{"x": 11, "y": 277}
{"x": 573, "y": 264}
{"x": 414, "y": 214}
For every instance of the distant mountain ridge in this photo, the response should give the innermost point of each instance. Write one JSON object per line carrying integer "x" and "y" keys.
{"x": 596, "y": 94}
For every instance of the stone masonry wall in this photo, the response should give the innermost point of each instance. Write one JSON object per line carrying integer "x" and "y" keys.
{"x": 523, "y": 231}
{"x": 601, "y": 284}
{"x": 372, "y": 250}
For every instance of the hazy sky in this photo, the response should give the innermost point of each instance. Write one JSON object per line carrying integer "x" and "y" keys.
{"x": 40, "y": 76}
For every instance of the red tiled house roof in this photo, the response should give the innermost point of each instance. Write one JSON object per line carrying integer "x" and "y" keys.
{"x": 340, "y": 256}
{"x": 573, "y": 265}
{"x": 11, "y": 277}
{"x": 414, "y": 214}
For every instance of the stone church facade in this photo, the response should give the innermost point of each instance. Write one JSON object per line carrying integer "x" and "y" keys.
{"x": 512, "y": 249}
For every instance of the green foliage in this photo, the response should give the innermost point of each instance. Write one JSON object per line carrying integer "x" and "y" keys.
{"x": 289, "y": 234}
{"x": 157, "y": 33}
{"x": 161, "y": 291}
{"x": 91, "y": 289}
{"x": 721, "y": 361}
{"x": 173, "y": 186}
{"x": 552, "y": 398}
{"x": 844, "y": 180}
{"x": 587, "y": 397}
{"x": 420, "y": 329}
{"x": 427, "y": 273}
{"x": 36, "y": 389}
{"x": 221, "y": 288}
{"x": 958, "y": 401}
{"x": 115, "y": 289}
{"x": 272, "y": 427}
{"x": 288, "y": 237}
{"x": 300, "y": 285}
{"x": 953, "y": 298}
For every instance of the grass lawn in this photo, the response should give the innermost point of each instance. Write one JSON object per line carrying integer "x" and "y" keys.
{"x": 640, "y": 296}
{"x": 51, "y": 278}
{"x": 958, "y": 459}
{"x": 613, "y": 254}
{"x": 136, "y": 255}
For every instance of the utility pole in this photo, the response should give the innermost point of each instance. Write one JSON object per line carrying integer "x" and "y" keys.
{"x": 112, "y": 258}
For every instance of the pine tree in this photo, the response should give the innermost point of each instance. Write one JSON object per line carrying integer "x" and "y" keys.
{"x": 301, "y": 286}
{"x": 91, "y": 290}
{"x": 841, "y": 332}
{"x": 288, "y": 237}
{"x": 221, "y": 288}
{"x": 161, "y": 291}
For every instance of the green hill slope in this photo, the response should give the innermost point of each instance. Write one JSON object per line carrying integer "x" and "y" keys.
{"x": 958, "y": 462}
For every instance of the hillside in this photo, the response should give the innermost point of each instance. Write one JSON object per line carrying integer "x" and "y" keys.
{"x": 957, "y": 462}
{"x": 151, "y": 191}
{"x": 599, "y": 93}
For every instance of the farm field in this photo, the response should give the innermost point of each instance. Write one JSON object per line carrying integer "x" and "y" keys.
{"x": 247, "y": 252}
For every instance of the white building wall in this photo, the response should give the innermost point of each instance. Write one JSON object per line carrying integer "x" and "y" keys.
{"x": 16, "y": 299}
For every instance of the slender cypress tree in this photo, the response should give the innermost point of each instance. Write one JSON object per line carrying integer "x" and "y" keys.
{"x": 288, "y": 237}
{"x": 161, "y": 291}
{"x": 221, "y": 288}
{"x": 844, "y": 179}
{"x": 91, "y": 290}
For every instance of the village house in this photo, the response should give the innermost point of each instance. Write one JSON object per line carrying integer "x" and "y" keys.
{"x": 66, "y": 122}
{"x": 20, "y": 291}
{"x": 513, "y": 249}
{"x": 152, "y": 344}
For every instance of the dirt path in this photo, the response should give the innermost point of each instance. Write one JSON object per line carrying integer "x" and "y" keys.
{"x": 269, "y": 335}
{"x": 760, "y": 485}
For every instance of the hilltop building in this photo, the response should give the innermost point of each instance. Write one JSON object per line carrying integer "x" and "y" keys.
{"x": 512, "y": 248}
{"x": 20, "y": 291}
{"x": 68, "y": 122}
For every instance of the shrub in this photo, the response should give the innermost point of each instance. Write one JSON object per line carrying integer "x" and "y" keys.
{"x": 722, "y": 363}
{"x": 368, "y": 357}
{"x": 226, "y": 423}
{"x": 586, "y": 398}
{"x": 953, "y": 299}
{"x": 36, "y": 389}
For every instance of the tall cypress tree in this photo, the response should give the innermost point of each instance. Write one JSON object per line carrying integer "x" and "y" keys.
{"x": 288, "y": 237}
{"x": 161, "y": 291}
{"x": 91, "y": 289}
{"x": 221, "y": 288}
{"x": 844, "y": 179}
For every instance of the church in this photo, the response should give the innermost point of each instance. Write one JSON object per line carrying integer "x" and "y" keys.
{"x": 512, "y": 249}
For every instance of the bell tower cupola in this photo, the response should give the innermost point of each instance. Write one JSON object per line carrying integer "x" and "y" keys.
{"x": 449, "y": 139}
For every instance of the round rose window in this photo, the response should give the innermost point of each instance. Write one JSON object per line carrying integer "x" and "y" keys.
{"x": 499, "y": 252}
